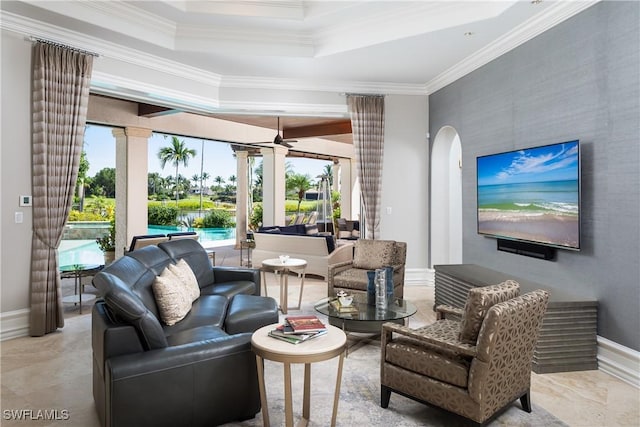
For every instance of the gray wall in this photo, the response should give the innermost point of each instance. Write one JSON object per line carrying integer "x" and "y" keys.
{"x": 579, "y": 80}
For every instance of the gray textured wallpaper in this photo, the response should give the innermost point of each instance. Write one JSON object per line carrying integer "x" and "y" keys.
{"x": 579, "y": 80}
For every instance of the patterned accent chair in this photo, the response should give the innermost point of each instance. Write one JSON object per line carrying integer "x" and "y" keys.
{"x": 445, "y": 366}
{"x": 351, "y": 276}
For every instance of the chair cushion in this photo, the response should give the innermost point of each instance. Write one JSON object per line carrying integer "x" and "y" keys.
{"x": 372, "y": 254}
{"x": 172, "y": 297}
{"x": 479, "y": 301}
{"x": 413, "y": 355}
{"x": 351, "y": 278}
{"x": 182, "y": 270}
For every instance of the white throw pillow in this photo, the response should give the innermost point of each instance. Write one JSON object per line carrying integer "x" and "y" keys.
{"x": 188, "y": 277}
{"x": 172, "y": 297}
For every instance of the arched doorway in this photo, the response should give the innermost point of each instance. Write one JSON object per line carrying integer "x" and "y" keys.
{"x": 446, "y": 198}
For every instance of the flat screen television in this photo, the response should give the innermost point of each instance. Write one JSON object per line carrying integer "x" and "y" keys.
{"x": 531, "y": 195}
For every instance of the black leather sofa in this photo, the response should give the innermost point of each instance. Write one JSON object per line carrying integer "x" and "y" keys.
{"x": 198, "y": 372}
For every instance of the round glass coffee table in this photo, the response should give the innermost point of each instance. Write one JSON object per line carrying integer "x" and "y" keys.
{"x": 364, "y": 318}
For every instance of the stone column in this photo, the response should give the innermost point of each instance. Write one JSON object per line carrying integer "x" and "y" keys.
{"x": 335, "y": 176}
{"x": 131, "y": 184}
{"x": 242, "y": 195}
{"x": 346, "y": 187}
{"x": 273, "y": 184}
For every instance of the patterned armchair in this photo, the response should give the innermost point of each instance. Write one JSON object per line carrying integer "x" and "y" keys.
{"x": 474, "y": 367}
{"x": 351, "y": 276}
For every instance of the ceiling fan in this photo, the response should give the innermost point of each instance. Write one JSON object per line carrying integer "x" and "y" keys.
{"x": 278, "y": 140}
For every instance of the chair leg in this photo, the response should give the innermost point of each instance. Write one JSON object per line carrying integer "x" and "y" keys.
{"x": 525, "y": 401}
{"x": 385, "y": 395}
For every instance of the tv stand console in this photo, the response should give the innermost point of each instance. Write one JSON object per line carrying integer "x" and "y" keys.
{"x": 567, "y": 339}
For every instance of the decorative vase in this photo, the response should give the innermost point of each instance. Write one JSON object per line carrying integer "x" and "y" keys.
{"x": 389, "y": 279}
{"x": 371, "y": 288}
{"x": 109, "y": 257}
{"x": 381, "y": 288}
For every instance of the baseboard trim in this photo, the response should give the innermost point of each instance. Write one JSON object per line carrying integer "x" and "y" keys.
{"x": 619, "y": 361}
{"x": 419, "y": 276}
{"x": 14, "y": 324}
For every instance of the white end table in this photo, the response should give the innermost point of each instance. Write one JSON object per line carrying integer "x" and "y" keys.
{"x": 325, "y": 347}
{"x": 283, "y": 268}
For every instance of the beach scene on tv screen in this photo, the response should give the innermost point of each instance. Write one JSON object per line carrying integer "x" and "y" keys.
{"x": 531, "y": 195}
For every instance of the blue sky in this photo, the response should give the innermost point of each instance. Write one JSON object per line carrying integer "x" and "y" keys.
{"x": 218, "y": 156}
{"x": 555, "y": 162}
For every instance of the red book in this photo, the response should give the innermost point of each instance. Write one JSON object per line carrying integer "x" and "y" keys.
{"x": 305, "y": 324}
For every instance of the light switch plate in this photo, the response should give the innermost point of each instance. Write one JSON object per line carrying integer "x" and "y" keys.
{"x": 25, "y": 200}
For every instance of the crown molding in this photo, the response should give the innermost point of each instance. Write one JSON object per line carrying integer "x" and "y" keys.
{"x": 32, "y": 28}
{"x": 384, "y": 88}
{"x": 554, "y": 15}
{"x": 129, "y": 19}
{"x": 279, "y": 43}
{"x": 108, "y": 84}
{"x": 287, "y": 9}
{"x": 278, "y": 108}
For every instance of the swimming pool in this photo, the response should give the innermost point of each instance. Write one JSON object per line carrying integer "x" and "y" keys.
{"x": 87, "y": 251}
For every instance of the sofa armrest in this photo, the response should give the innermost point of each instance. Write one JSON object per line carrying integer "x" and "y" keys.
{"x": 457, "y": 347}
{"x": 231, "y": 274}
{"x": 156, "y": 361}
{"x": 443, "y": 310}
{"x": 210, "y": 382}
{"x": 109, "y": 337}
{"x": 334, "y": 269}
{"x": 340, "y": 266}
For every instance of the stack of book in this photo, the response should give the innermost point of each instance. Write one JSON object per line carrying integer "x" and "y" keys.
{"x": 297, "y": 329}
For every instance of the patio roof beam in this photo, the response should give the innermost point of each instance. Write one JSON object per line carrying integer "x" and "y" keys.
{"x": 323, "y": 129}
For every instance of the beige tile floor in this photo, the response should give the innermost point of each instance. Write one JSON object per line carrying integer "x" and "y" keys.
{"x": 54, "y": 372}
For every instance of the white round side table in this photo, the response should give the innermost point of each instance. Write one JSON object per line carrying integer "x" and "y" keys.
{"x": 328, "y": 346}
{"x": 283, "y": 268}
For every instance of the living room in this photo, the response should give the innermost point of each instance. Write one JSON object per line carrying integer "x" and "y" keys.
{"x": 577, "y": 80}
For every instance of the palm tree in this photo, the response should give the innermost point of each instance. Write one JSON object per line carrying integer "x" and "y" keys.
{"x": 205, "y": 178}
{"x": 328, "y": 172}
{"x": 197, "y": 180}
{"x": 155, "y": 183}
{"x": 176, "y": 153}
{"x": 219, "y": 180}
{"x": 300, "y": 184}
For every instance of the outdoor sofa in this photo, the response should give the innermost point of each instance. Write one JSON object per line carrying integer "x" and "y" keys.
{"x": 302, "y": 241}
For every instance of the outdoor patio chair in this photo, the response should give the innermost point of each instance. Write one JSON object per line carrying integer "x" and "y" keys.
{"x": 145, "y": 240}
{"x": 183, "y": 235}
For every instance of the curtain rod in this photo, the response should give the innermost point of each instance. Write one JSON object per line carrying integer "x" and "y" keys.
{"x": 376, "y": 95}
{"x": 62, "y": 45}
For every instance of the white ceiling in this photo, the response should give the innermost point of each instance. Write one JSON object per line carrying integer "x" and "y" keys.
{"x": 421, "y": 44}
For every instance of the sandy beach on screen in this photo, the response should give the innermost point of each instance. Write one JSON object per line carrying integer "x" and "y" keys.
{"x": 543, "y": 227}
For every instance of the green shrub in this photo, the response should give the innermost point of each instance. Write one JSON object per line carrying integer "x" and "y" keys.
{"x": 162, "y": 215}
{"x": 218, "y": 219}
{"x": 256, "y": 216}
{"x": 75, "y": 215}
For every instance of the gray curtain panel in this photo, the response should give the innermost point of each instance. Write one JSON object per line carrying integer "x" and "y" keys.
{"x": 367, "y": 122}
{"x": 60, "y": 95}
